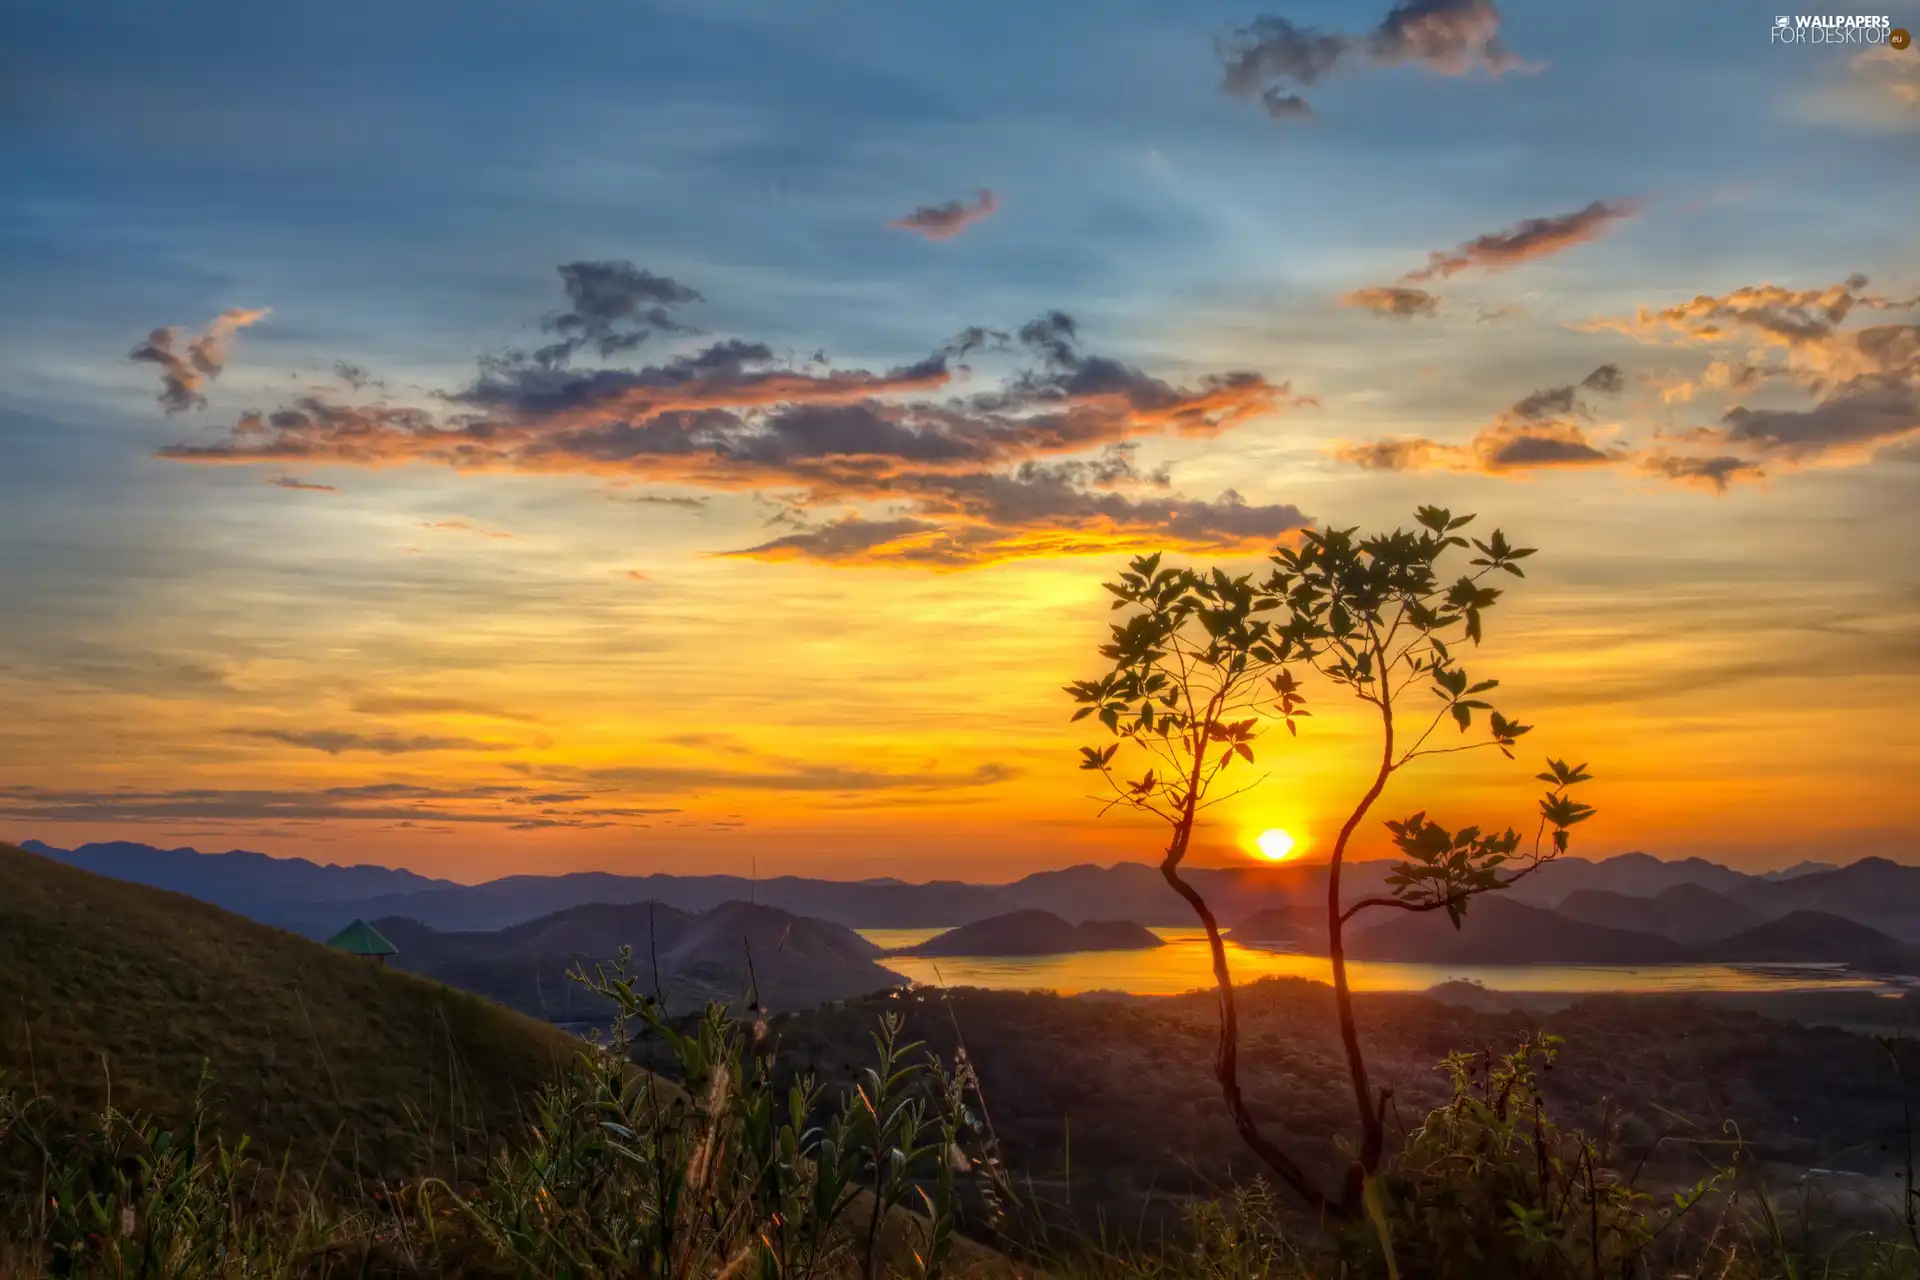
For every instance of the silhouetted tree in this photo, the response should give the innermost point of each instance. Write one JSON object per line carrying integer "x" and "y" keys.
{"x": 1201, "y": 658}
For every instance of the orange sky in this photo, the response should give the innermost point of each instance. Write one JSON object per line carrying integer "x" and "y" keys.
{"x": 765, "y": 531}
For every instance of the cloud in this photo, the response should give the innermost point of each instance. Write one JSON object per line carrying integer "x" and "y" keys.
{"x": 899, "y": 443}
{"x": 1715, "y": 472}
{"x": 1271, "y": 58}
{"x": 291, "y": 482}
{"x": 334, "y": 742}
{"x": 1394, "y": 300}
{"x": 1878, "y": 92}
{"x": 185, "y": 371}
{"x": 796, "y": 776}
{"x": 1860, "y": 414}
{"x": 1607, "y": 380}
{"x": 398, "y": 704}
{"x": 1527, "y": 240}
{"x": 1543, "y": 429}
{"x": 461, "y": 526}
{"x": 1037, "y": 509}
{"x": 945, "y": 221}
{"x": 615, "y": 305}
{"x": 380, "y": 802}
{"x": 1807, "y": 324}
{"x": 1865, "y": 379}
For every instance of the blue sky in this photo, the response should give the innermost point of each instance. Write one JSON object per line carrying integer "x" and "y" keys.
{"x": 398, "y": 183}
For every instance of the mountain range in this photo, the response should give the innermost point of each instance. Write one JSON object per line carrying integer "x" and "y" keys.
{"x": 317, "y": 898}
{"x": 1595, "y": 927}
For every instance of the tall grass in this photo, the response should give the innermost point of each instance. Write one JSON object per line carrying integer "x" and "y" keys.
{"x": 728, "y": 1169}
{"x": 616, "y": 1173}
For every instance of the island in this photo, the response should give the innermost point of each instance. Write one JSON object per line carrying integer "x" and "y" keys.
{"x": 1035, "y": 933}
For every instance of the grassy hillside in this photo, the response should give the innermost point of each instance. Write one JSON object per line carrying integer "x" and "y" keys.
{"x": 116, "y": 990}
{"x": 796, "y": 962}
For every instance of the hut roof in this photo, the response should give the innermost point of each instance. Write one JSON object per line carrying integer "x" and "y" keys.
{"x": 362, "y": 939}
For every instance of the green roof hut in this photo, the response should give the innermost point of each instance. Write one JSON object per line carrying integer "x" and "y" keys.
{"x": 362, "y": 939}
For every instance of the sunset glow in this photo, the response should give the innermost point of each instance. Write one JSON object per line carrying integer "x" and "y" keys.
{"x": 1274, "y": 844}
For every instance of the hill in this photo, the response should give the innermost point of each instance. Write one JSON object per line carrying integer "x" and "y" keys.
{"x": 1687, "y": 913}
{"x": 1302, "y": 929}
{"x": 1497, "y": 930}
{"x": 795, "y": 962}
{"x": 1036, "y": 933}
{"x": 336, "y": 1061}
{"x": 1814, "y": 937}
{"x": 1873, "y": 891}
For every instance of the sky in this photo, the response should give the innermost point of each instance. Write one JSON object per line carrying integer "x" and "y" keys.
{"x": 509, "y": 437}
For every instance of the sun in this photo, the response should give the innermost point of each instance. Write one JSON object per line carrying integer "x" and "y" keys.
{"x": 1274, "y": 844}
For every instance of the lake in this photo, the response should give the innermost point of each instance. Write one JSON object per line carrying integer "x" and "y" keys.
{"x": 1184, "y": 965}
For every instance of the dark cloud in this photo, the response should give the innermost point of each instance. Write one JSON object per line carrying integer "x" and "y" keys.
{"x": 186, "y": 370}
{"x": 1544, "y": 404}
{"x": 1862, "y": 412}
{"x": 1716, "y": 472}
{"x": 853, "y": 538}
{"x": 1452, "y": 37}
{"x": 1271, "y": 58}
{"x": 945, "y": 221}
{"x": 1556, "y": 402}
{"x": 1527, "y": 240}
{"x": 334, "y": 742}
{"x": 1396, "y": 453}
{"x": 615, "y": 306}
{"x": 730, "y": 416}
{"x": 1394, "y": 300}
{"x": 1038, "y": 509}
{"x": 1607, "y": 380}
{"x": 1526, "y": 448}
{"x": 1540, "y": 430}
{"x": 292, "y": 482}
{"x": 971, "y": 339}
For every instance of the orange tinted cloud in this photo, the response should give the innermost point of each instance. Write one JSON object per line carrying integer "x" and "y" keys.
{"x": 1538, "y": 431}
{"x": 1394, "y": 301}
{"x": 186, "y": 370}
{"x": 1272, "y": 58}
{"x": 1012, "y": 459}
{"x": 1866, "y": 379}
{"x": 1527, "y": 240}
{"x": 945, "y": 221}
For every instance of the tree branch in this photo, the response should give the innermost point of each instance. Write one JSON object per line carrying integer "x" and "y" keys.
{"x": 1452, "y": 899}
